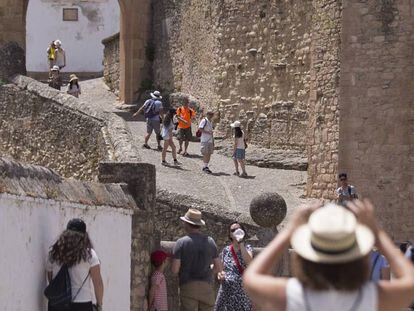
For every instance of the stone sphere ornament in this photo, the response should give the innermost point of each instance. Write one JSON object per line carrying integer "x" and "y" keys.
{"x": 268, "y": 209}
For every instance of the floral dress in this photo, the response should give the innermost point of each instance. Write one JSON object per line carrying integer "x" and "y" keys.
{"x": 231, "y": 295}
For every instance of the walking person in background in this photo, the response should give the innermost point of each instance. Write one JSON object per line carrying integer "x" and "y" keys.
{"x": 74, "y": 88}
{"x": 51, "y": 55}
{"x": 167, "y": 136}
{"x": 157, "y": 299}
{"x": 235, "y": 258}
{"x": 331, "y": 264}
{"x": 192, "y": 256}
{"x": 345, "y": 192}
{"x": 239, "y": 149}
{"x": 185, "y": 116}
{"x": 153, "y": 112}
{"x": 55, "y": 79}
{"x": 73, "y": 250}
{"x": 206, "y": 140}
{"x": 60, "y": 55}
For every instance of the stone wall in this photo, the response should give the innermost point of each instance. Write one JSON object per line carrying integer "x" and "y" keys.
{"x": 323, "y": 125}
{"x": 38, "y": 129}
{"x": 111, "y": 62}
{"x": 247, "y": 60}
{"x": 12, "y": 61}
{"x": 377, "y": 112}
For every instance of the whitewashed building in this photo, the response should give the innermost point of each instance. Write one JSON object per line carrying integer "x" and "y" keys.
{"x": 79, "y": 24}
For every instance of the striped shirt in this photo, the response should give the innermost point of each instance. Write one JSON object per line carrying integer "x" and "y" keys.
{"x": 160, "y": 299}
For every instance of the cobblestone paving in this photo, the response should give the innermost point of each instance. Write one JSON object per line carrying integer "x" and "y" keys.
{"x": 221, "y": 188}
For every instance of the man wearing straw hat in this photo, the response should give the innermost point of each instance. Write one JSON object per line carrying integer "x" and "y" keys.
{"x": 193, "y": 255}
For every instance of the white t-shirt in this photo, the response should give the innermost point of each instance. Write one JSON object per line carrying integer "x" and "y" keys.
{"x": 206, "y": 125}
{"x": 336, "y": 300}
{"x": 240, "y": 142}
{"x": 77, "y": 274}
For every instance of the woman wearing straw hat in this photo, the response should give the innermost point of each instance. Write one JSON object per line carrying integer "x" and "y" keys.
{"x": 74, "y": 88}
{"x": 331, "y": 264}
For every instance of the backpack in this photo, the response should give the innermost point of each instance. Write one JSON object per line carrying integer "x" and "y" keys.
{"x": 59, "y": 290}
{"x": 149, "y": 109}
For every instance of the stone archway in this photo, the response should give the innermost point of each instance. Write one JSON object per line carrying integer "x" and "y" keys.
{"x": 134, "y": 34}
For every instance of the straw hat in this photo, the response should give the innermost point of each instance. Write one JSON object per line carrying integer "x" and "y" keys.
{"x": 73, "y": 77}
{"x": 193, "y": 217}
{"x": 156, "y": 95}
{"x": 235, "y": 124}
{"x": 332, "y": 235}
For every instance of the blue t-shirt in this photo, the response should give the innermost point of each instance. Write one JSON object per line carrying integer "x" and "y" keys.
{"x": 378, "y": 262}
{"x": 157, "y": 108}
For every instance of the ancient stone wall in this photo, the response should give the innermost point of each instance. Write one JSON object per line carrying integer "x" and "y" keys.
{"x": 323, "y": 125}
{"x": 39, "y": 130}
{"x": 248, "y": 60}
{"x": 12, "y": 61}
{"x": 376, "y": 104}
{"x": 111, "y": 62}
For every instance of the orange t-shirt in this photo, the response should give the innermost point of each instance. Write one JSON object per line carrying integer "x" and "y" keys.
{"x": 186, "y": 114}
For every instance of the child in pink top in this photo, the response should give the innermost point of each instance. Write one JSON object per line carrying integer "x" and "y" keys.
{"x": 157, "y": 299}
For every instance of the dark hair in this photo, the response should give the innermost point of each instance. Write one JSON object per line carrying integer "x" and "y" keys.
{"x": 191, "y": 225}
{"x": 71, "y": 83}
{"x": 404, "y": 245}
{"x": 241, "y": 227}
{"x": 347, "y": 276}
{"x": 168, "y": 118}
{"x": 71, "y": 248}
{"x": 342, "y": 175}
{"x": 238, "y": 132}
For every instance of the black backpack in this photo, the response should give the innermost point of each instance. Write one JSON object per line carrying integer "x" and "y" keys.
{"x": 59, "y": 290}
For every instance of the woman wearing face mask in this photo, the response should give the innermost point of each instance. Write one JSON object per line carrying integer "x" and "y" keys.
{"x": 235, "y": 258}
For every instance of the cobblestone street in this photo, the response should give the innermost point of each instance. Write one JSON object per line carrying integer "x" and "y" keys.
{"x": 221, "y": 188}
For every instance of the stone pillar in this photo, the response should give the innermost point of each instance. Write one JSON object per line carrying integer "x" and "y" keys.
{"x": 13, "y": 21}
{"x": 140, "y": 180}
{"x": 323, "y": 124}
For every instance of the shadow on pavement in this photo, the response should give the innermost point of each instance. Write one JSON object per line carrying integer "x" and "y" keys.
{"x": 248, "y": 177}
{"x": 193, "y": 156}
{"x": 180, "y": 168}
{"x": 127, "y": 116}
{"x": 220, "y": 174}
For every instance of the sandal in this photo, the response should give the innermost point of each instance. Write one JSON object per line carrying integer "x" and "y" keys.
{"x": 236, "y": 174}
{"x": 185, "y": 154}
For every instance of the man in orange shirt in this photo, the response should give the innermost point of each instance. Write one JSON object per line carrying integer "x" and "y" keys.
{"x": 184, "y": 115}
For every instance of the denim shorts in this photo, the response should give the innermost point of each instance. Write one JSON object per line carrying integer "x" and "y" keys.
{"x": 239, "y": 154}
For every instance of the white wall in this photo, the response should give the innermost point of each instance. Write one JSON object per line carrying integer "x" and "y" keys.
{"x": 81, "y": 40}
{"x": 29, "y": 226}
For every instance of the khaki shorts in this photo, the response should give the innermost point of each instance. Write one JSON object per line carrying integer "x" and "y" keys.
{"x": 207, "y": 148}
{"x": 153, "y": 125}
{"x": 197, "y": 295}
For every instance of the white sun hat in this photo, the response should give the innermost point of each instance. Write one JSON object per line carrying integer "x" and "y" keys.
{"x": 156, "y": 95}
{"x": 58, "y": 42}
{"x": 55, "y": 68}
{"x": 235, "y": 124}
{"x": 193, "y": 216}
{"x": 332, "y": 235}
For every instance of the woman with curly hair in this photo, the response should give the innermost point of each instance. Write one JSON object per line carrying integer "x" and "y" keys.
{"x": 74, "y": 249}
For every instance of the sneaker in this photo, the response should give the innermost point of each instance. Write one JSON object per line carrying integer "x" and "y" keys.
{"x": 176, "y": 162}
{"x": 185, "y": 154}
{"x": 207, "y": 170}
{"x": 179, "y": 151}
{"x": 236, "y": 173}
{"x": 159, "y": 148}
{"x": 243, "y": 174}
{"x": 146, "y": 146}
{"x": 165, "y": 163}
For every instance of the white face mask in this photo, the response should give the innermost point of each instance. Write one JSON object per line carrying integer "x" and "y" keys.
{"x": 239, "y": 234}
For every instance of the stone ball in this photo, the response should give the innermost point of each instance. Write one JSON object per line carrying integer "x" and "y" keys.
{"x": 268, "y": 209}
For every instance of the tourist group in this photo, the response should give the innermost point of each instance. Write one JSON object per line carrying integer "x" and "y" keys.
{"x": 167, "y": 123}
